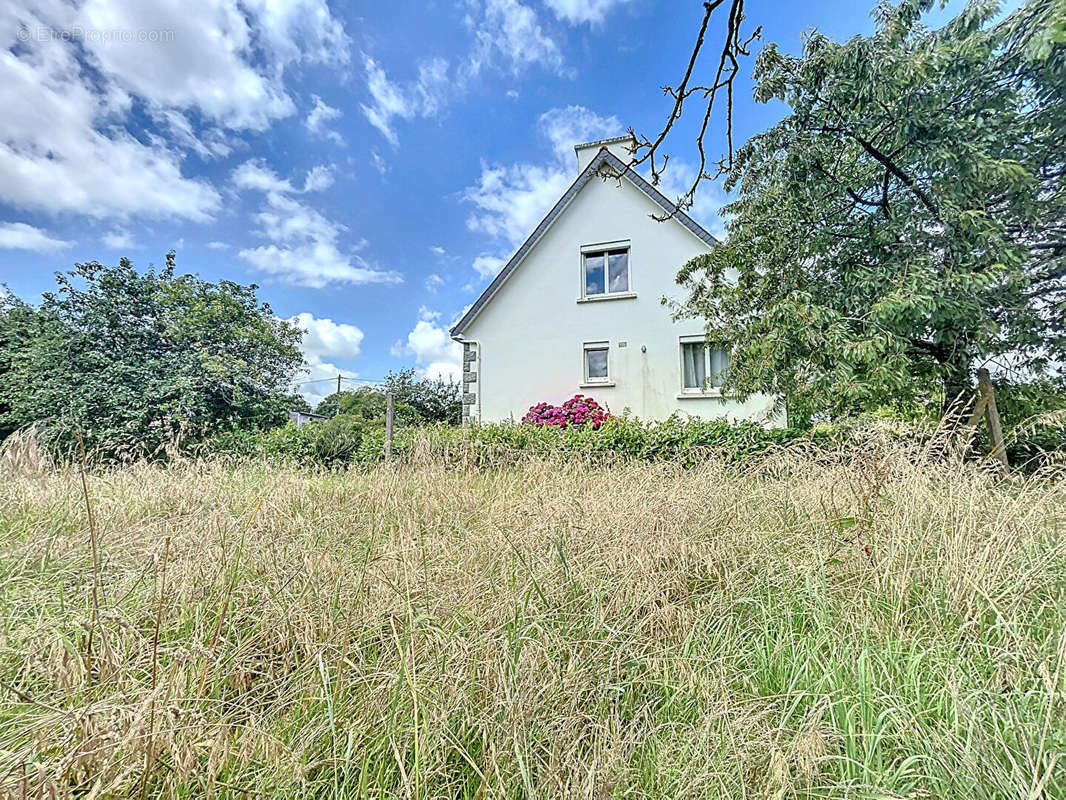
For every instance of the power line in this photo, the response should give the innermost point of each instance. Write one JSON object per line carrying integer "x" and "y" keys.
{"x": 343, "y": 378}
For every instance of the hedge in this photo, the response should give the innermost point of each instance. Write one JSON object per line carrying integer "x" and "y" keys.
{"x": 343, "y": 440}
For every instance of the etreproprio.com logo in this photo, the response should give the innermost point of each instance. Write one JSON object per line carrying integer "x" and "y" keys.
{"x": 45, "y": 33}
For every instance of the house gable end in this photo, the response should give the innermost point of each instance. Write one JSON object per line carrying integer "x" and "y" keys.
{"x": 603, "y": 158}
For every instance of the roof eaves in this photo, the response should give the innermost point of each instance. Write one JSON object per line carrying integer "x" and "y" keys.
{"x": 604, "y": 142}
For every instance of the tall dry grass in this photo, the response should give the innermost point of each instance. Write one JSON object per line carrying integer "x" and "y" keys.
{"x": 869, "y": 624}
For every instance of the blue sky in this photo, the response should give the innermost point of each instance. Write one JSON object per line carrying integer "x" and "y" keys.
{"x": 368, "y": 164}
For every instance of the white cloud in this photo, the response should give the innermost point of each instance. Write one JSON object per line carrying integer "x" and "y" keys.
{"x": 304, "y": 248}
{"x": 303, "y": 244}
{"x": 217, "y": 246}
{"x": 511, "y": 200}
{"x": 328, "y": 339}
{"x": 325, "y": 339}
{"x": 254, "y": 174}
{"x": 223, "y": 58}
{"x": 436, "y": 355}
{"x": 566, "y": 127}
{"x": 487, "y": 266}
{"x": 209, "y": 144}
{"x": 317, "y": 179}
{"x": 423, "y": 97}
{"x": 63, "y": 149}
{"x": 508, "y": 33}
{"x": 74, "y": 146}
{"x": 578, "y": 11}
{"x": 428, "y": 314}
{"x": 118, "y": 239}
{"x": 433, "y": 282}
{"x": 436, "y": 250}
{"x": 203, "y": 67}
{"x": 379, "y": 163}
{"x": 303, "y": 31}
{"x": 20, "y": 236}
{"x": 320, "y": 114}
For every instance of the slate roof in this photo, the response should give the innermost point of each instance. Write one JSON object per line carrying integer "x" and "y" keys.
{"x": 604, "y": 157}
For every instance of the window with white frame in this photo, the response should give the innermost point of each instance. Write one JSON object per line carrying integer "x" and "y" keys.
{"x": 597, "y": 367}
{"x": 605, "y": 270}
{"x": 702, "y": 367}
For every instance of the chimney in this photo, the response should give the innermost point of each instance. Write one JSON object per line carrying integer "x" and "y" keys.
{"x": 618, "y": 146}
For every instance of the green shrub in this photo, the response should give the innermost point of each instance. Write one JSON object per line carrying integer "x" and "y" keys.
{"x": 335, "y": 440}
{"x": 687, "y": 442}
{"x": 350, "y": 440}
{"x": 1033, "y": 414}
{"x": 288, "y": 443}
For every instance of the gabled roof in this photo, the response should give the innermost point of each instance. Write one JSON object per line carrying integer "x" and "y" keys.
{"x": 604, "y": 157}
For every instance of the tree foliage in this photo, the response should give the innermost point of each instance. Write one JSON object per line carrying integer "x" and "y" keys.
{"x": 367, "y": 404}
{"x": 134, "y": 361}
{"x": 415, "y": 400}
{"x": 905, "y": 222}
{"x": 433, "y": 399}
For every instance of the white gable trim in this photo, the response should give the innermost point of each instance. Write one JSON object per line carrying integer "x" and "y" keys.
{"x": 603, "y": 157}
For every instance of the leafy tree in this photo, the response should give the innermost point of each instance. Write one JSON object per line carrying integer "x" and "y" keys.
{"x": 20, "y": 324}
{"x": 415, "y": 400}
{"x": 329, "y": 406}
{"x": 140, "y": 360}
{"x": 433, "y": 399}
{"x": 365, "y": 403}
{"x": 294, "y": 401}
{"x": 905, "y": 222}
{"x": 1033, "y": 415}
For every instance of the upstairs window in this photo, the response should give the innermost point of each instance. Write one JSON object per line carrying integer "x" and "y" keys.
{"x": 606, "y": 271}
{"x": 702, "y": 367}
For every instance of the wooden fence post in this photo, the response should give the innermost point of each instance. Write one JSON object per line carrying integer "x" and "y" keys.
{"x": 388, "y": 426}
{"x": 995, "y": 428}
{"x": 986, "y": 407}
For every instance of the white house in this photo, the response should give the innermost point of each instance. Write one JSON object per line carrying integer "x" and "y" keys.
{"x": 578, "y": 309}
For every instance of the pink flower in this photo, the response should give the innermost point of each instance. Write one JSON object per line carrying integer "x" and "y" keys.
{"x": 573, "y": 413}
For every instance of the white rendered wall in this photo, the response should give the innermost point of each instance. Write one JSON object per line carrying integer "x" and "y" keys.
{"x": 531, "y": 334}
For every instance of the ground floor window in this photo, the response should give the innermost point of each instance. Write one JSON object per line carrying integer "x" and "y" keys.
{"x": 597, "y": 362}
{"x": 702, "y": 367}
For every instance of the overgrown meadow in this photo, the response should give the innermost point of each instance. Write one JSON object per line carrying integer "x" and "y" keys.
{"x": 874, "y": 621}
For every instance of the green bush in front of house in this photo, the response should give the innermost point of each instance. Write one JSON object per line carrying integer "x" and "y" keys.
{"x": 688, "y": 441}
{"x": 346, "y": 439}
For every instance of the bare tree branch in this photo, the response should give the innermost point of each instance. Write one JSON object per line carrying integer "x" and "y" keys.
{"x": 733, "y": 47}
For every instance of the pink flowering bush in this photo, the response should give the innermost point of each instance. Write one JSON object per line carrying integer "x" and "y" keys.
{"x": 574, "y": 413}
